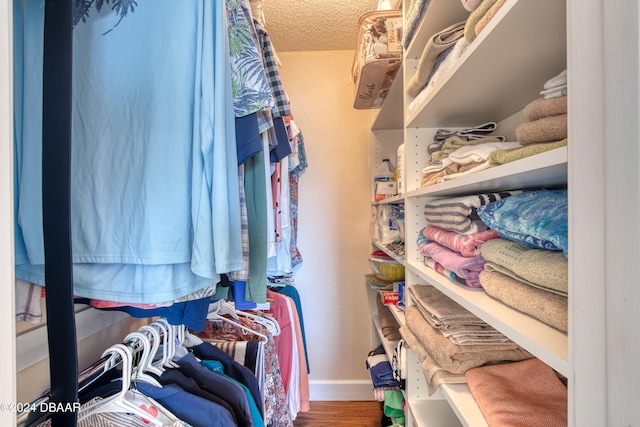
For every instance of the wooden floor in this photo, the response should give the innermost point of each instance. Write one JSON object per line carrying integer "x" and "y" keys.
{"x": 343, "y": 414}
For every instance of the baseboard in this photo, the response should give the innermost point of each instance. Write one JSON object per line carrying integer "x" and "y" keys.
{"x": 334, "y": 390}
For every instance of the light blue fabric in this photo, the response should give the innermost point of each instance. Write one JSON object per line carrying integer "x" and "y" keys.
{"x": 155, "y": 203}
{"x": 537, "y": 219}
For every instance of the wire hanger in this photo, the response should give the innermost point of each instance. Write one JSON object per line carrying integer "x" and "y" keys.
{"x": 216, "y": 311}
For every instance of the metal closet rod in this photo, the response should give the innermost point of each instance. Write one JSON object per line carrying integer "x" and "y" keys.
{"x": 32, "y": 413}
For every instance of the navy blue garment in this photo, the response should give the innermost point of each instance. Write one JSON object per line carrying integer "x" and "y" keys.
{"x": 248, "y": 139}
{"x": 240, "y": 373}
{"x": 283, "y": 148}
{"x": 192, "y": 409}
{"x": 174, "y": 376}
{"x": 220, "y": 386}
{"x": 192, "y": 314}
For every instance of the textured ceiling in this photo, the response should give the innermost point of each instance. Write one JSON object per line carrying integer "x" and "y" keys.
{"x": 311, "y": 25}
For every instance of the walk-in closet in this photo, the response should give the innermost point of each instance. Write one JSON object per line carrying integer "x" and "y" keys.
{"x": 234, "y": 213}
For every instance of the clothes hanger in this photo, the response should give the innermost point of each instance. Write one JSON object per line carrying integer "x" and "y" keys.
{"x": 126, "y": 400}
{"x": 215, "y": 315}
{"x": 153, "y": 351}
{"x": 168, "y": 341}
{"x": 271, "y": 324}
{"x": 140, "y": 372}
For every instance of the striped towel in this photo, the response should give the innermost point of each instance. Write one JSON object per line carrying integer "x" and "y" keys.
{"x": 459, "y": 213}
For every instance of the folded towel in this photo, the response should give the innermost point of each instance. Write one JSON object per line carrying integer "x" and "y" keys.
{"x": 538, "y": 219}
{"x": 465, "y": 267}
{"x": 459, "y": 213}
{"x": 454, "y": 143}
{"x": 437, "y": 165}
{"x": 525, "y": 394}
{"x": 557, "y": 81}
{"x": 549, "y": 308}
{"x": 457, "y": 358}
{"x": 546, "y": 129}
{"x": 548, "y": 270}
{"x": 554, "y": 92}
{"x": 467, "y": 245}
{"x": 501, "y": 157}
{"x": 474, "y": 17}
{"x": 433, "y": 374}
{"x": 479, "y": 152}
{"x": 468, "y": 171}
{"x": 438, "y": 43}
{"x": 432, "y": 178}
{"x": 541, "y": 107}
{"x": 444, "y": 312}
{"x": 482, "y": 22}
{"x": 431, "y": 263}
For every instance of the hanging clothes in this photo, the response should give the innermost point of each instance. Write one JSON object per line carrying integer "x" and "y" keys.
{"x": 155, "y": 203}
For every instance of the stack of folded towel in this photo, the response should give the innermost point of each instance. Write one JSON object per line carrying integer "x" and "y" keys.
{"x": 481, "y": 13}
{"x": 449, "y": 340}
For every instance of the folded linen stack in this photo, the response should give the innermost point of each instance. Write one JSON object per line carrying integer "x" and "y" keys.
{"x": 481, "y": 13}
{"x": 388, "y": 322}
{"x": 442, "y": 359}
{"x": 527, "y": 267}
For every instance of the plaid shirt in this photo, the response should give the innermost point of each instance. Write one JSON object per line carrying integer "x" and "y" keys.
{"x": 273, "y": 75}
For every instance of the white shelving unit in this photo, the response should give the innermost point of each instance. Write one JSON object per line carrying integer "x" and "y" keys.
{"x": 498, "y": 74}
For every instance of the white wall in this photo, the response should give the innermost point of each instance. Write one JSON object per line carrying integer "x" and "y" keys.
{"x": 333, "y": 227}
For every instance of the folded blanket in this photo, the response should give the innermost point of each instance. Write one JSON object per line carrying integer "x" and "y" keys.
{"x": 433, "y": 373}
{"x": 388, "y": 322}
{"x": 554, "y": 92}
{"x": 438, "y": 43}
{"x": 431, "y": 263}
{"x": 456, "y": 358}
{"x": 501, "y": 157}
{"x": 479, "y": 152}
{"x": 465, "y": 267}
{"x": 541, "y": 107}
{"x": 381, "y": 371}
{"x": 482, "y": 22}
{"x": 459, "y": 213}
{"x": 468, "y": 245}
{"x": 546, "y": 129}
{"x": 538, "y": 219}
{"x": 548, "y": 270}
{"x": 549, "y": 308}
{"x": 524, "y": 394}
{"x": 415, "y": 15}
{"x": 474, "y": 17}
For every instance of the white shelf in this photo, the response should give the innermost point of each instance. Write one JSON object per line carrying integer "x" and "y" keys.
{"x": 390, "y": 115}
{"x": 545, "y": 342}
{"x": 432, "y": 413}
{"x": 463, "y": 404}
{"x": 497, "y": 76}
{"x": 548, "y": 169}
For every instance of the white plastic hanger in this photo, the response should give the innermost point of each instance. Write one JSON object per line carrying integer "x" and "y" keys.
{"x": 168, "y": 342}
{"x": 126, "y": 400}
{"x": 271, "y": 324}
{"x": 140, "y": 373}
{"x": 155, "y": 345}
{"x": 216, "y": 310}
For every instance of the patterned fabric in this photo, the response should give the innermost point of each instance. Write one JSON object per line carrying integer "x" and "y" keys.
{"x": 276, "y": 413}
{"x": 459, "y": 213}
{"x": 273, "y": 75}
{"x": 243, "y": 274}
{"x": 294, "y": 181}
{"x": 537, "y": 219}
{"x": 251, "y": 90}
{"x": 466, "y": 268}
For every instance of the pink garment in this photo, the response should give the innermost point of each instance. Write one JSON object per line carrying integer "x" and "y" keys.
{"x": 284, "y": 341}
{"x": 468, "y": 245}
{"x": 466, "y": 268}
{"x": 304, "y": 375}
